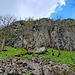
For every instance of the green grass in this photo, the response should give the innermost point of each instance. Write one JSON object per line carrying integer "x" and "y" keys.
{"x": 27, "y": 73}
{"x": 64, "y": 58}
{"x": 10, "y": 53}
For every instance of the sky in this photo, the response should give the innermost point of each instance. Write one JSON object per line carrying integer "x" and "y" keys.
{"x": 37, "y": 8}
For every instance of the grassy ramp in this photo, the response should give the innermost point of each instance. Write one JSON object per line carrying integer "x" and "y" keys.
{"x": 66, "y": 57}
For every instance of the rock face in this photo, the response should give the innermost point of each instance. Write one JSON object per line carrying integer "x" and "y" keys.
{"x": 22, "y": 66}
{"x": 44, "y": 32}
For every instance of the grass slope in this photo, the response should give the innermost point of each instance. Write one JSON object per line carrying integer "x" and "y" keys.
{"x": 66, "y": 57}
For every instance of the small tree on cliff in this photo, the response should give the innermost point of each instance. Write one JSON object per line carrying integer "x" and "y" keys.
{"x": 5, "y": 21}
{"x": 53, "y": 28}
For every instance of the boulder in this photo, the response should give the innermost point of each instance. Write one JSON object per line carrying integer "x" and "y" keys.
{"x": 1, "y": 71}
{"x": 40, "y": 50}
{"x": 10, "y": 73}
{"x": 36, "y": 68}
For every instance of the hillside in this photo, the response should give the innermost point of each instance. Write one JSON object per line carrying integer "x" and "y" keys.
{"x": 59, "y": 34}
{"x": 38, "y": 47}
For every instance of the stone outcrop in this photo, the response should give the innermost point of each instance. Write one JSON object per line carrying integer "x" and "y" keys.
{"x": 43, "y": 32}
{"x": 34, "y": 67}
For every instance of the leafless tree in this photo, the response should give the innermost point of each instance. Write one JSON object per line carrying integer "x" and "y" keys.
{"x": 54, "y": 35}
{"x": 5, "y": 21}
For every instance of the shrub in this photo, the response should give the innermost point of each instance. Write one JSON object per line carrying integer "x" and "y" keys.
{"x": 21, "y": 52}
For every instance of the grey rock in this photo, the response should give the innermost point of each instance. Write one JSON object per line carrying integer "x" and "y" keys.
{"x": 10, "y": 72}
{"x": 40, "y": 50}
{"x": 41, "y": 33}
{"x": 64, "y": 67}
{"x": 20, "y": 66}
{"x": 36, "y": 68}
{"x": 72, "y": 73}
{"x": 1, "y": 71}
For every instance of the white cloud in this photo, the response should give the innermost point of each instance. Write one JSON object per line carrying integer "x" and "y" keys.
{"x": 39, "y": 8}
{"x": 34, "y": 8}
{"x": 62, "y": 2}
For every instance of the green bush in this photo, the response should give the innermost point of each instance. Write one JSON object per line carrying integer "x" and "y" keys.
{"x": 21, "y": 52}
{"x": 9, "y": 39}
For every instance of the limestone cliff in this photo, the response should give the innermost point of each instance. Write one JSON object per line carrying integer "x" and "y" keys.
{"x": 58, "y": 34}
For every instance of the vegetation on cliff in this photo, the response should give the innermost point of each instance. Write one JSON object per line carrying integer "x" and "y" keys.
{"x": 27, "y": 35}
